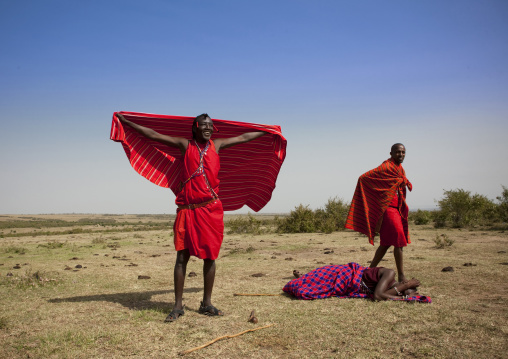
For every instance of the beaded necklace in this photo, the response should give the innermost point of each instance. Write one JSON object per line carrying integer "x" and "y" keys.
{"x": 200, "y": 170}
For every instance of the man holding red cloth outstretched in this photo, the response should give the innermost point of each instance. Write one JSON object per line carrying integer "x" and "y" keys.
{"x": 379, "y": 205}
{"x": 199, "y": 225}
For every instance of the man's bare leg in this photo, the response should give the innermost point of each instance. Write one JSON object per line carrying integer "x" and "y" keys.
{"x": 380, "y": 253}
{"x": 209, "y": 278}
{"x": 182, "y": 258}
{"x": 397, "y": 253}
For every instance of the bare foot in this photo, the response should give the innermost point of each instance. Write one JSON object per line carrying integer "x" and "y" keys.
{"x": 296, "y": 273}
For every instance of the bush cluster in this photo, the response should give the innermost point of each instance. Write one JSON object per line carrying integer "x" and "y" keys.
{"x": 248, "y": 225}
{"x": 459, "y": 208}
{"x": 304, "y": 220}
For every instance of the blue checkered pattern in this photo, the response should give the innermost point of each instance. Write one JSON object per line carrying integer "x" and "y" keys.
{"x": 341, "y": 281}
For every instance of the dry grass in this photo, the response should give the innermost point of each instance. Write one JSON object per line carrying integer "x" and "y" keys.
{"x": 52, "y": 308}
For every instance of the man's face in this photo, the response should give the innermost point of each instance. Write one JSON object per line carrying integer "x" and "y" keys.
{"x": 204, "y": 131}
{"x": 398, "y": 154}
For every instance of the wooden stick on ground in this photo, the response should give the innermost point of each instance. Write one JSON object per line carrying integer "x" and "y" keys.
{"x": 257, "y": 294}
{"x": 223, "y": 337}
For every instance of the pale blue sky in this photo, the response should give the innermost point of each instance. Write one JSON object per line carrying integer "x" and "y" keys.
{"x": 345, "y": 80}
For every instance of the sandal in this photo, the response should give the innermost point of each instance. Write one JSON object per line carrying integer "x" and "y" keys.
{"x": 174, "y": 315}
{"x": 210, "y": 310}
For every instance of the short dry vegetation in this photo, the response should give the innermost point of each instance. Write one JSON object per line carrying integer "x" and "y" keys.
{"x": 101, "y": 294}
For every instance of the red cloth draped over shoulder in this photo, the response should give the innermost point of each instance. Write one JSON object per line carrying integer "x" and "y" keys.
{"x": 374, "y": 192}
{"x": 248, "y": 171}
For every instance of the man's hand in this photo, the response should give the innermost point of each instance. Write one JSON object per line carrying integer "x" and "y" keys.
{"x": 120, "y": 117}
{"x": 413, "y": 283}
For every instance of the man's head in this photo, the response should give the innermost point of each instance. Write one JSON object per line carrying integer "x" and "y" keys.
{"x": 398, "y": 153}
{"x": 202, "y": 128}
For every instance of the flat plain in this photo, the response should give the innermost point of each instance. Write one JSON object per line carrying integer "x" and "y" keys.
{"x": 100, "y": 286}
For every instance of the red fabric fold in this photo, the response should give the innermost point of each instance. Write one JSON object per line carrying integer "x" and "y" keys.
{"x": 248, "y": 171}
{"x": 374, "y": 192}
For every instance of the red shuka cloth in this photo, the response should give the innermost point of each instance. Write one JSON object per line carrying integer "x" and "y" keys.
{"x": 374, "y": 192}
{"x": 203, "y": 227}
{"x": 248, "y": 171}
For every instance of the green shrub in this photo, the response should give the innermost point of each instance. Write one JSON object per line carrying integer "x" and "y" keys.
{"x": 503, "y": 205}
{"x": 244, "y": 225}
{"x": 463, "y": 209}
{"x": 443, "y": 241}
{"x": 439, "y": 219}
{"x": 303, "y": 220}
{"x": 300, "y": 220}
{"x": 420, "y": 217}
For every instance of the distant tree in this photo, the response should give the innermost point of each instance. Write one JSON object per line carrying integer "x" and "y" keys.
{"x": 503, "y": 205}
{"x": 420, "y": 217}
{"x": 302, "y": 219}
{"x": 463, "y": 209}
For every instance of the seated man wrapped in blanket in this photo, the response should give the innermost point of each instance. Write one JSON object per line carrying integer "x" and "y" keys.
{"x": 353, "y": 281}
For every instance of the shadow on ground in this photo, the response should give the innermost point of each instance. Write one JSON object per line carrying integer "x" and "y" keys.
{"x": 132, "y": 300}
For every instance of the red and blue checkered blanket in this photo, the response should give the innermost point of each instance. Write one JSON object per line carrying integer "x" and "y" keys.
{"x": 343, "y": 281}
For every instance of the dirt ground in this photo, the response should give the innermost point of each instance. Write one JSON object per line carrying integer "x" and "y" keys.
{"x": 106, "y": 292}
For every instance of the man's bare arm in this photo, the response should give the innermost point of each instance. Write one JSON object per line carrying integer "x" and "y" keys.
{"x": 179, "y": 142}
{"x": 221, "y": 143}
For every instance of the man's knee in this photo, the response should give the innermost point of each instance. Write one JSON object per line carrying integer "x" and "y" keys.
{"x": 182, "y": 257}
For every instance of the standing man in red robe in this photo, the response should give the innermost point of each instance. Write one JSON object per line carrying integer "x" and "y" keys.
{"x": 199, "y": 225}
{"x": 379, "y": 205}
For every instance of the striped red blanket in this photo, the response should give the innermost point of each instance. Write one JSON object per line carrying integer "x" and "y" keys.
{"x": 374, "y": 192}
{"x": 248, "y": 171}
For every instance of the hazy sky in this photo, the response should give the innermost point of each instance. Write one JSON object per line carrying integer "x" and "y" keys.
{"x": 344, "y": 79}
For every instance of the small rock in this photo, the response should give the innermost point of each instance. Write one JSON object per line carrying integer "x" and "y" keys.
{"x": 469, "y": 264}
{"x": 258, "y": 275}
{"x": 143, "y": 277}
{"x": 78, "y": 266}
{"x": 288, "y": 259}
{"x": 192, "y": 274}
{"x": 501, "y": 252}
{"x": 67, "y": 268}
{"x": 328, "y": 252}
{"x": 252, "y": 317}
{"x": 74, "y": 258}
{"x": 9, "y": 274}
{"x": 447, "y": 269}
{"x": 273, "y": 257}
{"x": 17, "y": 266}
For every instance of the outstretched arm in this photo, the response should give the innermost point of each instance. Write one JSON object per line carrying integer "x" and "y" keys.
{"x": 179, "y": 142}
{"x": 387, "y": 276}
{"x": 221, "y": 143}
